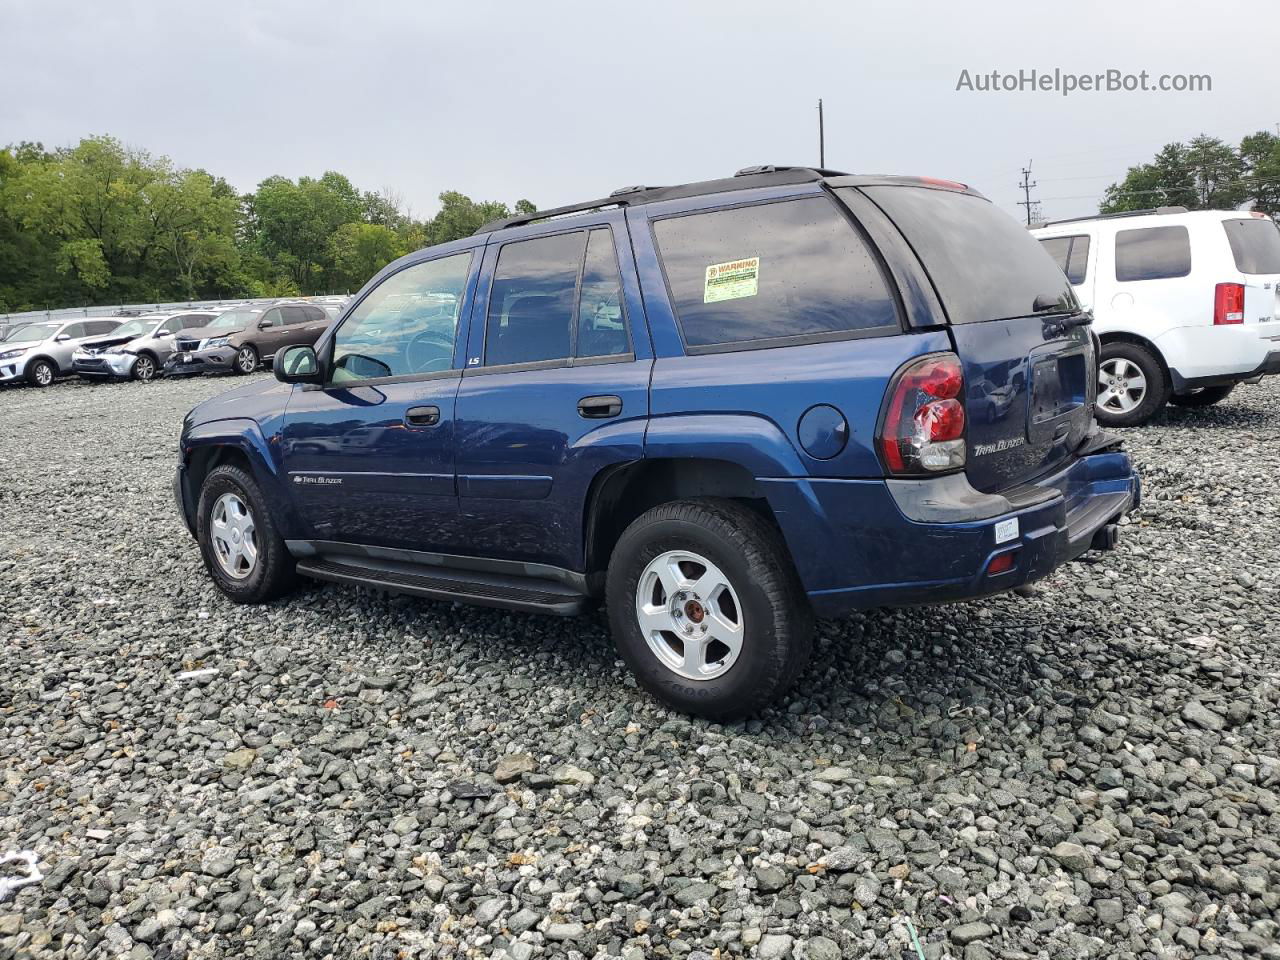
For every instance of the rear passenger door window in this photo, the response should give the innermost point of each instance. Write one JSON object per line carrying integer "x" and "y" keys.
{"x": 1071, "y": 254}
{"x": 772, "y": 273}
{"x": 602, "y": 323}
{"x": 1152, "y": 253}
{"x": 531, "y": 307}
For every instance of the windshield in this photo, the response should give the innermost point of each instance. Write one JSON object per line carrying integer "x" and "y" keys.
{"x": 1255, "y": 243}
{"x": 983, "y": 263}
{"x": 33, "y": 333}
{"x": 134, "y": 328}
{"x": 234, "y": 319}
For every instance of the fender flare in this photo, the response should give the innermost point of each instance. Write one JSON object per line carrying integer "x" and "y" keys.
{"x": 245, "y": 436}
{"x": 754, "y": 443}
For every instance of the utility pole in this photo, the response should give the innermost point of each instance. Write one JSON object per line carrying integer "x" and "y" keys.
{"x": 822, "y": 139}
{"x": 1025, "y": 186}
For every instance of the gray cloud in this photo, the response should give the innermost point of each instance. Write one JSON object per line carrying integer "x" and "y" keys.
{"x": 559, "y": 101}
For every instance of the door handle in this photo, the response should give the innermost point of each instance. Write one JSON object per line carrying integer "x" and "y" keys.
{"x": 422, "y": 416}
{"x": 599, "y": 408}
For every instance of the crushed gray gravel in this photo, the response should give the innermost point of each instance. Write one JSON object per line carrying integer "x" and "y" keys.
{"x": 1089, "y": 771}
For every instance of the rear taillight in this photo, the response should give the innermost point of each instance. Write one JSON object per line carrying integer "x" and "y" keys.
{"x": 1228, "y": 303}
{"x": 922, "y": 430}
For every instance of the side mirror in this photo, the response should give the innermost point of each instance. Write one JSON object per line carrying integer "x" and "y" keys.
{"x": 62, "y": 338}
{"x": 264, "y": 324}
{"x": 298, "y": 364}
{"x": 164, "y": 333}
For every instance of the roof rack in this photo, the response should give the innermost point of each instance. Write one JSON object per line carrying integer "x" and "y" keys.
{"x": 1109, "y": 216}
{"x": 765, "y": 175}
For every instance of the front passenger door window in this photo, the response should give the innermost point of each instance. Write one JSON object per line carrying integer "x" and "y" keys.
{"x": 406, "y": 326}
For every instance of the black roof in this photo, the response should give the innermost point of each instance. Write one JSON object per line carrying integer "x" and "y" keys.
{"x": 747, "y": 178}
{"x": 766, "y": 175}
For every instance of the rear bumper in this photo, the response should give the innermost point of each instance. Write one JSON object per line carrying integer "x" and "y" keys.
{"x": 855, "y": 546}
{"x": 1215, "y": 356}
{"x": 195, "y": 362}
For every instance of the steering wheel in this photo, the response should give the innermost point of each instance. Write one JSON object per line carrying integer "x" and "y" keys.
{"x": 429, "y": 340}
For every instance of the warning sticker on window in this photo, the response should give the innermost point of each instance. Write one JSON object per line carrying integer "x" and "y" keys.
{"x": 729, "y": 281}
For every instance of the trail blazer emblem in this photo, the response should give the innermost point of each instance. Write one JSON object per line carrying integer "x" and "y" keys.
{"x": 299, "y": 478}
{"x": 982, "y": 449}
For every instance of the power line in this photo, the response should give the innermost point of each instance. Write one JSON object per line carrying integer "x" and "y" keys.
{"x": 1245, "y": 181}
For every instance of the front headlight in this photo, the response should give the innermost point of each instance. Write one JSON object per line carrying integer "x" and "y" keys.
{"x": 215, "y": 342}
{"x": 116, "y": 349}
{"x": 12, "y": 354}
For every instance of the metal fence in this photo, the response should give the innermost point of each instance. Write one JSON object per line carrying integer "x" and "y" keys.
{"x": 133, "y": 309}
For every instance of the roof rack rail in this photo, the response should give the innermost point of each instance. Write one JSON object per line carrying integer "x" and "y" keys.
{"x": 1110, "y": 216}
{"x": 765, "y": 175}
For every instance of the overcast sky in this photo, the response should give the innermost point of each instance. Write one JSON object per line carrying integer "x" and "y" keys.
{"x": 560, "y": 102}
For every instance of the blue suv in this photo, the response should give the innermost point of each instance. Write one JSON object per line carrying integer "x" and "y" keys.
{"x": 722, "y": 407}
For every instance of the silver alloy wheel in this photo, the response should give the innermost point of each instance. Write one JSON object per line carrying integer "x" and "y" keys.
{"x": 1122, "y": 385}
{"x": 235, "y": 538}
{"x": 44, "y": 374}
{"x": 144, "y": 369}
{"x": 247, "y": 360}
{"x": 689, "y": 614}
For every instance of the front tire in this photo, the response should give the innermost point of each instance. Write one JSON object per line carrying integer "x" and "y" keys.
{"x": 706, "y": 608}
{"x": 242, "y": 549}
{"x": 246, "y": 360}
{"x": 1204, "y": 397}
{"x": 41, "y": 373}
{"x": 1132, "y": 385}
{"x": 144, "y": 368}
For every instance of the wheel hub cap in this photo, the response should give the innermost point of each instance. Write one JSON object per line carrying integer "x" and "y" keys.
{"x": 689, "y": 614}
{"x": 234, "y": 536}
{"x": 1126, "y": 386}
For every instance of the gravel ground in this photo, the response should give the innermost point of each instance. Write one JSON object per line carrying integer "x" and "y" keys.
{"x": 1091, "y": 771}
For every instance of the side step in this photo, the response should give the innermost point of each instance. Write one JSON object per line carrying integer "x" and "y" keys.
{"x": 530, "y": 594}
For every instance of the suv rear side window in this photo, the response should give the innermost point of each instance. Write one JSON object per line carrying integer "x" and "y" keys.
{"x": 531, "y": 307}
{"x": 1255, "y": 243}
{"x": 772, "y": 272}
{"x": 983, "y": 263}
{"x": 1152, "y": 253}
{"x": 602, "y": 326}
{"x": 1071, "y": 254}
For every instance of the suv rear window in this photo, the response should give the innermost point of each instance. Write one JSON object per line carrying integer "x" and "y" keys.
{"x": 1153, "y": 253}
{"x": 771, "y": 273}
{"x": 1255, "y": 243}
{"x": 1070, "y": 253}
{"x": 983, "y": 263}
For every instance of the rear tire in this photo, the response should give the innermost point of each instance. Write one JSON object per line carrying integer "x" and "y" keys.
{"x": 1204, "y": 397}
{"x": 1132, "y": 385}
{"x": 227, "y": 496}
{"x": 697, "y": 564}
{"x": 41, "y": 373}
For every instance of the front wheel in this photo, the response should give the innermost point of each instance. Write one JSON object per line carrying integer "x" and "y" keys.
{"x": 242, "y": 550}
{"x": 1204, "y": 397}
{"x": 144, "y": 369}
{"x": 246, "y": 360}
{"x": 41, "y": 373}
{"x": 706, "y": 608}
{"x": 1132, "y": 385}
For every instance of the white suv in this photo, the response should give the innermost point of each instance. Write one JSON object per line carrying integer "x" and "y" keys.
{"x": 1186, "y": 304}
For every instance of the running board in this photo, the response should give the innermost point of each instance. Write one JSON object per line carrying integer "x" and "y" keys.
{"x": 529, "y": 594}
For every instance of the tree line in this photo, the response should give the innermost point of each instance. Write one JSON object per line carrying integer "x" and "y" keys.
{"x": 1204, "y": 173}
{"x": 103, "y": 223}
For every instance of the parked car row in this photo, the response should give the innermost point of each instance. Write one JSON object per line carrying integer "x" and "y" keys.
{"x": 1185, "y": 305}
{"x": 143, "y": 347}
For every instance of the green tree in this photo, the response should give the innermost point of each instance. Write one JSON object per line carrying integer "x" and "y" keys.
{"x": 294, "y": 222}
{"x": 1202, "y": 174}
{"x": 359, "y": 250}
{"x": 1260, "y": 155}
{"x": 460, "y": 216}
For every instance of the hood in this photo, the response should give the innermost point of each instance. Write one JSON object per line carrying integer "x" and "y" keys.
{"x": 204, "y": 333}
{"x": 101, "y": 343}
{"x": 253, "y": 401}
